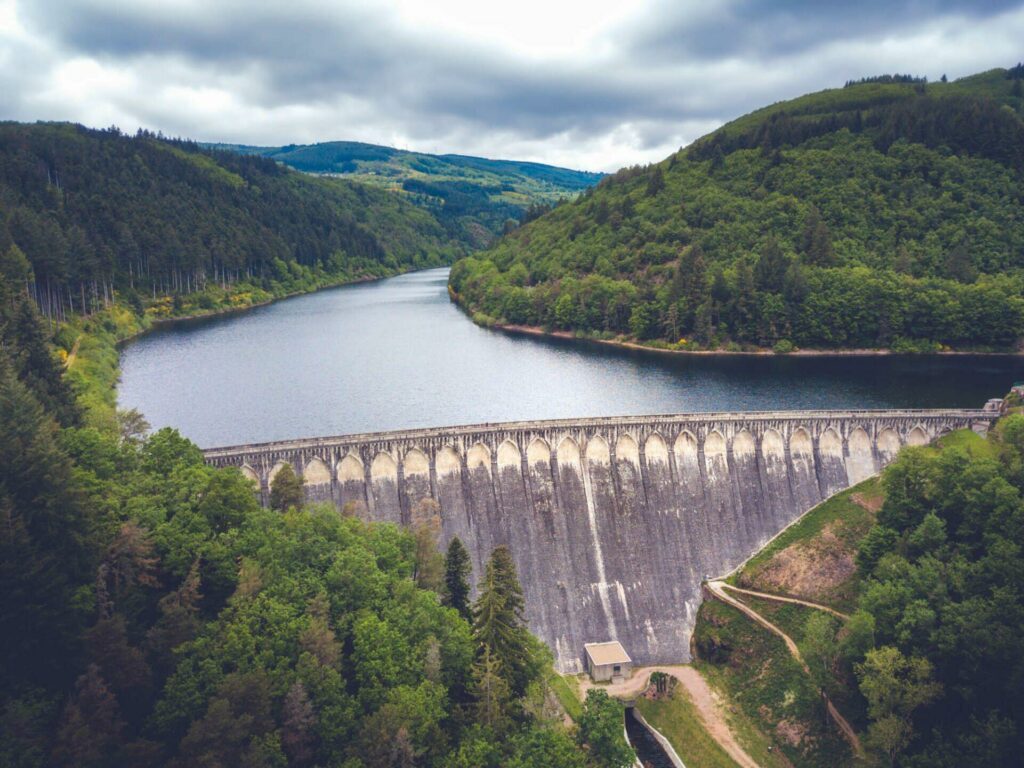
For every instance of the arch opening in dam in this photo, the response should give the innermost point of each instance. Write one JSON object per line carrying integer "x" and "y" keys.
{"x": 613, "y": 522}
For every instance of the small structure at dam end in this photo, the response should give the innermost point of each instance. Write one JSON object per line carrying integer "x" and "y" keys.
{"x": 613, "y": 522}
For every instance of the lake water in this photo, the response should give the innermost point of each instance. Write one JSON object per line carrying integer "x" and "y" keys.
{"x": 396, "y": 354}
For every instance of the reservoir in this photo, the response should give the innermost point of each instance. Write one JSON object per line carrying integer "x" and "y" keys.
{"x": 397, "y": 354}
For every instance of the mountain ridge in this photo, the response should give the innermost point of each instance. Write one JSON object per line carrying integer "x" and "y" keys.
{"x": 878, "y": 215}
{"x": 475, "y": 198}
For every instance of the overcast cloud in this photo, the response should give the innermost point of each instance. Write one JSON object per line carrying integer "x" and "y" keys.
{"x": 594, "y": 84}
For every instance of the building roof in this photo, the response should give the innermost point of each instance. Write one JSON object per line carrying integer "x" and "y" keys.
{"x": 611, "y": 652}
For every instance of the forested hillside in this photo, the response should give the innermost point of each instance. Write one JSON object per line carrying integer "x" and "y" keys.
{"x": 883, "y": 214}
{"x": 97, "y": 211}
{"x": 155, "y": 615}
{"x": 473, "y": 197}
{"x": 922, "y": 640}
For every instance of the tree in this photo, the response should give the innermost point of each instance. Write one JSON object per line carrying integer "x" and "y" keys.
{"x": 816, "y": 240}
{"x": 601, "y": 731}
{"x": 770, "y": 270}
{"x": 428, "y": 565}
{"x": 545, "y": 748}
{"x": 745, "y": 303}
{"x": 493, "y": 697}
{"x": 91, "y": 725}
{"x": 643, "y": 320}
{"x": 122, "y": 664}
{"x": 894, "y": 686}
{"x": 47, "y": 545}
{"x": 959, "y": 265}
{"x": 130, "y": 561}
{"x": 498, "y": 623}
{"x": 655, "y": 182}
{"x": 286, "y": 490}
{"x": 297, "y": 726}
{"x": 689, "y": 282}
{"x": 133, "y": 426}
{"x": 820, "y": 650}
{"x": 179, "y": 620}
{"x": 457, "y": 570}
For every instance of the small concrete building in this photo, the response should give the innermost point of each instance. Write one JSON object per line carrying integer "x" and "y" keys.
{"x": 607, "y": 662}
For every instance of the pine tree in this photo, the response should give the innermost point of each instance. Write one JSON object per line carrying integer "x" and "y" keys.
{"x": 33, "y": 360}
{"x": 286, "y": 491}
{"x": 816, "y": 240}
{"x": 178, "y": 622}
{"x": 91, "y": 725}
{"x": 492, "y": 691}
{"x": 498, "y": 623}
{"x": 45, "y": 541}
{"x": 745, "y": 303}
{"x": 457, "y": 569}
{"x": 655, "y": 182}
{"x": 689, "y": 283}
{"x": 121, "y": 663}
{"x": 770, "y": 270}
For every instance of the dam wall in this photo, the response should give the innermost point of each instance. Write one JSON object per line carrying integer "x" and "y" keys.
{"x": 613, "y": 522}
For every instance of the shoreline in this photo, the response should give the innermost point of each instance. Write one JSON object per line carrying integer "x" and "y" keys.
{"x": 533, "y": 330}
{"x": 159, "y": 323}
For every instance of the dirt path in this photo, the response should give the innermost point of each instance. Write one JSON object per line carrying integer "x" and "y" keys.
{"x": 781, "y": 599}
{"x": 707, "y": 702}
{"x": 718, "y": 588}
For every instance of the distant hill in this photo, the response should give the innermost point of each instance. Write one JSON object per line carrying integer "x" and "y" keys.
{"x": 886, "y": 213}
{"x": 472, "y": 196}
{"x": 97, "y": 210}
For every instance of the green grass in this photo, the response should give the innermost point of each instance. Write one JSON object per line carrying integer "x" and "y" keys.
{"x": 792, "y": 619}
{"x": 838, "y": 508}
{"x": 847, "y": 520}
{"x": 677, "y": 719}
{"x": 967, "y": 440}
{"x": 788, "y": 617}
{"x": 567, "y": 690}
{"x": 754, "y": 669}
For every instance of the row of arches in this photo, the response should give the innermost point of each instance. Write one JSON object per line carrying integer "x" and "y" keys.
{"x": 447, "y": 460}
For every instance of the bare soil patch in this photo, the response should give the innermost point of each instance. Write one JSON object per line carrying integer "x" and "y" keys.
{"x": 813, "y": 569}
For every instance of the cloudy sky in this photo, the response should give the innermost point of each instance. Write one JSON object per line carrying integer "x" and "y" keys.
{"x": 594, "y": 84}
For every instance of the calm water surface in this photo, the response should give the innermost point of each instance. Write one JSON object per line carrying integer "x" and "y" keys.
{"x": 397, "y": 354}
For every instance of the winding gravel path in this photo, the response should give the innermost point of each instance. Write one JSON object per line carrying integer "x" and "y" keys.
{"x": 784, "y": 599}
{"x": 718, "y": 589}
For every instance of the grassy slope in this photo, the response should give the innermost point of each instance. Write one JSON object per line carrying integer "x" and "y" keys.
{"x": 566, "y": 688}
{"x": 676, "y": 717}
{"x": 825, "y": 538}
{"x": 752, "y": 667}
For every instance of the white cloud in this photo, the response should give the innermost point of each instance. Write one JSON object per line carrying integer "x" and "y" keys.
{"x": 595, "y": 85}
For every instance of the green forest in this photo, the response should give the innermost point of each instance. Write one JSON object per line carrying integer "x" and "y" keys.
{"x": 99, "y": 214}
{"x": 155, "y": 614}
{"x": 474, "y": 198}
{"x": 884, "y": 214}
{"x": 937, "y": 641}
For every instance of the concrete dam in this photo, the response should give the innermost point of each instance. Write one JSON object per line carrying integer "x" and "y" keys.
{"x": 613, "y": 522}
